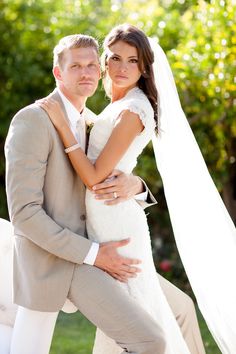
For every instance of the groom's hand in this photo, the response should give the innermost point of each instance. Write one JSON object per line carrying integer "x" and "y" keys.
{"x": 109, "y": 260}
{"x": 118, "y": 187}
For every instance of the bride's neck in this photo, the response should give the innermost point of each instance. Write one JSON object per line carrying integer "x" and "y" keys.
{"x": 118, "y": 93}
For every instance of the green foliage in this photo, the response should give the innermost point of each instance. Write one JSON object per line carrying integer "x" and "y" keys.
{"x": 204, "y": 65}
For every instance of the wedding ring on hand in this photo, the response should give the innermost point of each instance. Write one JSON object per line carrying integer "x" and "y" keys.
{"x": 115, "y": 195}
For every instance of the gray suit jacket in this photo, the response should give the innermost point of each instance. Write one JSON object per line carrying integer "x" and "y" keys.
{"x": 47, "y": 209}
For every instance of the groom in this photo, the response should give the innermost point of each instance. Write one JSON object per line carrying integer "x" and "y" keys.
{"x": 53, "y": 259}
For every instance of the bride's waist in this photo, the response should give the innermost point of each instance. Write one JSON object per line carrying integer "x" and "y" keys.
{"x": 92, "y": 202}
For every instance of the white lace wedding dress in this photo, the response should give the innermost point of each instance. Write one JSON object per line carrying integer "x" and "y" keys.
{"x": 128, "y": 219}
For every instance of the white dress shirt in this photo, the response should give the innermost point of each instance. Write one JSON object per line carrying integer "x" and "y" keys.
{"x": 78, "y": 127}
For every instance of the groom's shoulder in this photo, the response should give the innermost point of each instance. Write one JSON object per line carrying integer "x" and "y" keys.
{"x": 30, "y": 109}
{"x": 30, "y": 116}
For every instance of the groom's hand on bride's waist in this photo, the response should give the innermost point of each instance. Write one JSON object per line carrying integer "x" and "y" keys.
{"x": 118, "y": 187}
{"x": 119, "y": 267}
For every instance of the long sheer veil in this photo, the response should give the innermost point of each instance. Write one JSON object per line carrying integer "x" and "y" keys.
{"x": 203, "y": 230}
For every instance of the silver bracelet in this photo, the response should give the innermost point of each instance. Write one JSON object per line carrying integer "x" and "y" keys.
{"x": 72, "y": 148}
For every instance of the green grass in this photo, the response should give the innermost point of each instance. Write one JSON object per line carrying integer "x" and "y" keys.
{"x": 75, "y": 335}
{"x": 209, "y": 343}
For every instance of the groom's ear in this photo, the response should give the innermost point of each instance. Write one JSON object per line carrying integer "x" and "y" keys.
{"x": 57, "y": 73}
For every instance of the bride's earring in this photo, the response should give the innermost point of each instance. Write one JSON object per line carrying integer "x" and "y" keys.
{"x": 144, "y": 74}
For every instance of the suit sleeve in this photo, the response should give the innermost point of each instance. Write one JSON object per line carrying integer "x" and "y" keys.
{"x": 150, "y": 198}
{"x": 27, "y": 148}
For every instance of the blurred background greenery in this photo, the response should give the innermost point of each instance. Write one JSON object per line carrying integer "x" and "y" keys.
{"x": 199, "y": 38}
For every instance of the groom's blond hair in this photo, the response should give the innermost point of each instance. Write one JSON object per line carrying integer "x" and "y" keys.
{"x": 71, "y": 42}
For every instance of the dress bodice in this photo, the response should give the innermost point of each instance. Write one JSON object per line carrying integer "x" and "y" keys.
{"x": 137, "y": 102}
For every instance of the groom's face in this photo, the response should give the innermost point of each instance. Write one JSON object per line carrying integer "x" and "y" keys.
{"x": 79, "y": 72}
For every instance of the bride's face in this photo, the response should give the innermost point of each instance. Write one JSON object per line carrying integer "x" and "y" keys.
{"x": 122, "y": 65}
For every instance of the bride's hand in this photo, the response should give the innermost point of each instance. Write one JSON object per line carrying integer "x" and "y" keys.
{"x": 54, "y": 111}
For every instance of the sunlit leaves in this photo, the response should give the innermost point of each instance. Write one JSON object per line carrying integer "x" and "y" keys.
{"x": 204, "y": 66}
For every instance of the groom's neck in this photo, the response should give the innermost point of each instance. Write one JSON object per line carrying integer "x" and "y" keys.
{"x": 77, "y": 101}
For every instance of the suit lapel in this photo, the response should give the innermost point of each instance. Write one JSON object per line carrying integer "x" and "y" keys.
{"x": 56, "y": 96}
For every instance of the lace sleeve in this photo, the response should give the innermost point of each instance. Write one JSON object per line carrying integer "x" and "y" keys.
{"x": 145, "y": 112}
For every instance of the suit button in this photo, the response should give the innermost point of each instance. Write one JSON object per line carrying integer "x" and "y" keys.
{"x": 82, "y": 217}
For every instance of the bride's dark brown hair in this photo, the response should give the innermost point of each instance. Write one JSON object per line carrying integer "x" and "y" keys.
{"x": 136, "y": 38}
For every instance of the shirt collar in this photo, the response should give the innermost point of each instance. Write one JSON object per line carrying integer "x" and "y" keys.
{"x": 72, "y": 113}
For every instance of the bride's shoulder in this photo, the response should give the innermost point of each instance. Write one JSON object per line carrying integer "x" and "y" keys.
{"x": 136, "y": 97}
{"x": 137, "y": 102}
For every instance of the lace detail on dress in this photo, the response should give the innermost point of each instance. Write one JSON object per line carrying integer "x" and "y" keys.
{"x": 145, "y": 113}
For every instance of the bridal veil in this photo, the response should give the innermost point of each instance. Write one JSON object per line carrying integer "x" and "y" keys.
{"x": 203, "y": 230}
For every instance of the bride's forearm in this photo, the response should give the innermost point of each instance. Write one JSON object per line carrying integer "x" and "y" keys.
{"x": 88, "y": 172}
{"x": 122, "y": 136}
{"x": 66, "y": 135}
